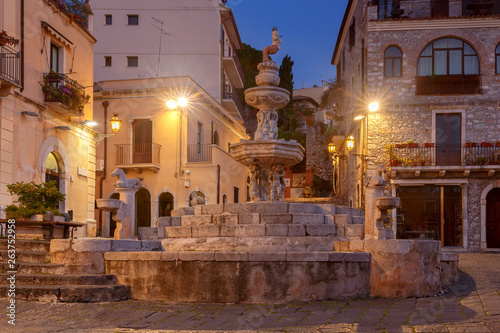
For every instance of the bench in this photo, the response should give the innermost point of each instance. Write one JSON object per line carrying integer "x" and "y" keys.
{"x": 68, "y": 227}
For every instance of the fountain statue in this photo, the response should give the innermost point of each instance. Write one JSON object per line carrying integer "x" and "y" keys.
{"x": 123, "y": 211}
{"x": 267, "y": 156}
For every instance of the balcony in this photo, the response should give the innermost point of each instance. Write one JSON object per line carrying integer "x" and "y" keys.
{"x": 391, "y": 9}
{"x": 74, "y": 9}
{"x": 475, "y": 157}
{"x": 63, "y": 94}
{"x": 232, "y": 66}
{"x": 448, "y": 85}
{"x": 138, "y": 156}
{"x": 199, "y": 153}
{"x": 232, "y": 103}
{"x": 10, "y": 67}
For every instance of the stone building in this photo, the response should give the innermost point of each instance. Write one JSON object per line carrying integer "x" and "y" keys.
{"x": 433, "y": 67}
{"x": 180, "y": 151}
{"x": 44, "y": 81}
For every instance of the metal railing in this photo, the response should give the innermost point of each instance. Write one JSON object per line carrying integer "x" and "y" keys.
{"x": 199, "y": 153}
{"x": 10, "y": 65}
{"x": 137, "y": 153}
{"x": 75, "y": 9}
{"x": 231, "y": 94}
{"x": 60, "y": 88}
{"x": 448, "y": 84}
{"x": 230, "y": 52}
{"x": 434, "y": 8}
{"x": 470, "y": 154}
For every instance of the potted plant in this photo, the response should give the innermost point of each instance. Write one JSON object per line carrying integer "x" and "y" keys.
{"x": 471, "y": 144}
{"x": 486, "y": 144}
{"x": 481, "y": 161}
{"x": 34, "y": 199}
{"x": 6, "y": 39}
{"x": 412, "y": 144}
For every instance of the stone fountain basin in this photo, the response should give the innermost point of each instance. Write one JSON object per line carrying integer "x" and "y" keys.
{"x": 267, "y": 97}
{"x": 267, "y": 152}
{"x": 387, "y": 203}
{"x": 110, "y": 205}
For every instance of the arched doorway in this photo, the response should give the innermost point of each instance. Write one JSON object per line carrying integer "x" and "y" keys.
{"x": 165, "y": 204}
{"x": 52, "y": 169}
{"x": 493, "y": 218}
{"x": 142, "y": 209}
{"x": 112, "y": 223}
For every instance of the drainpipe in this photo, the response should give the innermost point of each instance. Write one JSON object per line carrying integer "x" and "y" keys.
{"x": 22, "y": 45}
{"x": 218, "y": 183}
{"x": 103, "y": 178}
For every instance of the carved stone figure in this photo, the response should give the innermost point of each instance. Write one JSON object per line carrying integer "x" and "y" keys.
{"x": 375, "y": 178}
{"x": 196, "y": 200}
{"x": 254, "y": 184}
{"x": 274, "y": 47}
{"x": 267, "y": 127}
{"x": 277, "y": 182}
{"x": 123, "y": 182}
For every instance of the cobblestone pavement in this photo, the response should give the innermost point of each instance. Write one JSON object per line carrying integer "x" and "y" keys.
{"x": 470, "y": 305}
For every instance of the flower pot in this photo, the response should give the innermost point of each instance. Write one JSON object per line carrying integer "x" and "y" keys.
{"x": 497, "y": 144}
{"x": 429, "y": 144}
{"x": 402, "y": 145}
{"x": 486, "y": 144}
{"x": 470, "y": 144}
{"x": 413, "y": 145}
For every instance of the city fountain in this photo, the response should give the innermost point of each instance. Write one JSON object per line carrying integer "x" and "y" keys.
{"x": 267, "y": 156}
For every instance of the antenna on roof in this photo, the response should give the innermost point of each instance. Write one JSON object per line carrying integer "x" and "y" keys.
{"x": 162, "y": 32}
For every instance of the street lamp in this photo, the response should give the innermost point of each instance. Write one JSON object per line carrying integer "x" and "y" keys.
{"x": 172, "y": 103}
{"x": 331, "y": 148}
{"x": 350, "y": 143}
{"x": 373, "y": 106}
{"x": 115, "y": 123}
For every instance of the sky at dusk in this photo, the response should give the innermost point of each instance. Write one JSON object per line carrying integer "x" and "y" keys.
{"x": 309, "y": 30}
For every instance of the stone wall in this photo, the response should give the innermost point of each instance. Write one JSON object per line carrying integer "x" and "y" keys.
{"x": 317, "y": 157}
{"x": 217, "y": 276}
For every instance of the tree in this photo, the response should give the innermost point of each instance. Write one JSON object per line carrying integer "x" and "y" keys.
{"x": 287, "y": 115}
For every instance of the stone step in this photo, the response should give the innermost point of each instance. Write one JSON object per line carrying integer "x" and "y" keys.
{"x": 355, "y": 231}
{"x": 258, "y": 230}
{"x": 251, "y": 244}
{"x": 27, "y": 245}
{"x": 53, "y": 279}
{"x": 71, "y": 293}
{"x": 34, "y": 268}
{"x": 26, "y": 256}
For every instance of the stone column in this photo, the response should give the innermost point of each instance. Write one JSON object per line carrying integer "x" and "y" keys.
{"x": 371, "y": 211}
{"x": 127, "y": 230}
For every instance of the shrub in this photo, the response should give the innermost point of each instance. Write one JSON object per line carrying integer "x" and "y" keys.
{"x": 34, "y": 199}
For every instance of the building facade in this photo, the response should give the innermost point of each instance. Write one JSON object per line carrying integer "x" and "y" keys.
{"x": 433, "y": 68}
{"x": 175, "y": 49}
{"x": 46, "y": 95}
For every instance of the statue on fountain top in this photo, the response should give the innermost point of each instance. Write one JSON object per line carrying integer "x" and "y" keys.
{"x": 274, "y": 47}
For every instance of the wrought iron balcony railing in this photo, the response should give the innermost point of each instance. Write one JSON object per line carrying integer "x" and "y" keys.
{"x": 10, "y": 65}
{"x": 75, "y": 9}
{"x": 230, "y": 52}
{"x": 58, "y": 87}
{"x": 137, "y": 153}
{"x": 231, "y": 94}
{"x": 434, "y": 8}
{"x": 448, "y": 84}
{"x": 441, "y": 155}
{"x": 199, "y": 153}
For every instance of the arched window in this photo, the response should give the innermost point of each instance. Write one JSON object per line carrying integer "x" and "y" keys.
{"x": 448, "y": 66}
{"x": 393, "y": 61}
{"x": 497, "y": 57}
{"x": 165, "y": 204}
{"x": 52, "y": 169}
{"x": 448, "y": 56}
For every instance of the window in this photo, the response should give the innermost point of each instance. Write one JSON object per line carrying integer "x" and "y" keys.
{"x": 108, "y": 19}
{"x": 132, "y": 61}
{"x": 392, "y": 61}
{"x": 440, "y": 8}
{"x": 448, "y": 66}
{"x": 133, "y": 19}
{"x": 448, "y": 56}
{"x": 142, "y": 140}
{"x": 52, "y": 169}
{"x": 107, "y": 61}
{"x": 497, "y": 57}
{"x": 165, "y": 204}
{"x": 54, "y": 58}
{"x": 352, "y": 34}
{"x": 199, "y": 137}
{"x": 236, "y": 195}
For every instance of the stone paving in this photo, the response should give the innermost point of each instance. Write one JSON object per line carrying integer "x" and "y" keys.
{"x": 472, "y": 304}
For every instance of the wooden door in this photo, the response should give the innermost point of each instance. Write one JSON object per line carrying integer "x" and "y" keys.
{"x": 493, "y": 218}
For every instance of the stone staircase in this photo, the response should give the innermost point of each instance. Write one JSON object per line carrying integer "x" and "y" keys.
{"x": 259, "y": 227}
{"x": 39, "y": 280}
